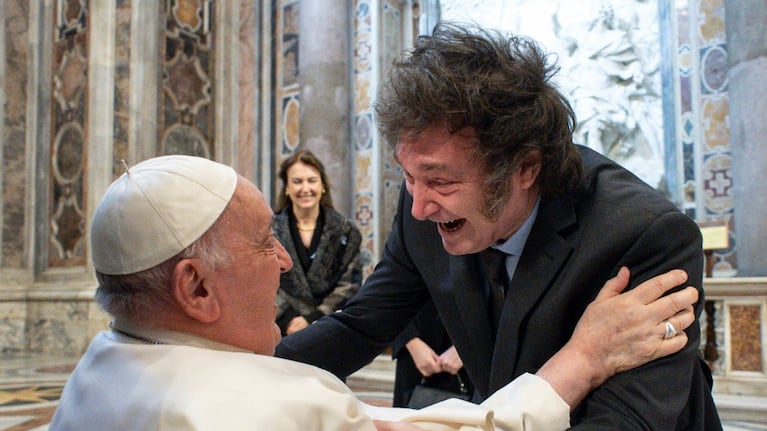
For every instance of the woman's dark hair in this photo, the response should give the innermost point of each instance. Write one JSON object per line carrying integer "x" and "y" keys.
{"x": 308, "y": 158}
{"x": 501, "y": 87}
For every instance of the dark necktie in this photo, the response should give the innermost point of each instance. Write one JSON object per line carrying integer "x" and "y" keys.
{"x": 498, "y": 281}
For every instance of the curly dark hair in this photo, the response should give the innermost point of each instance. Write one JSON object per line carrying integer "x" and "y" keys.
{"x": 500, "y": 85}
{"x": 308, "y": 158}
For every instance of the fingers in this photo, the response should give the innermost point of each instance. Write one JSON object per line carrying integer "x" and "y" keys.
{"x": 679, "y": 322}
{"x": 670, "y": 345}
{"x": 669, "y": 305}
{"x": 657, "y": 286}
{"x": 683, "y": 319}
{"x": 428, "y": 364}
{"x": 615, "y": 285}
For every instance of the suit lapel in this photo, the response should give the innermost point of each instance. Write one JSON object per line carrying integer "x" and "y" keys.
{"x": 544, "y": 255}
{"x": 472, "y": 335}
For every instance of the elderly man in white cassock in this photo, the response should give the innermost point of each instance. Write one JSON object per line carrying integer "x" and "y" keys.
{"x": 188, "y": 266}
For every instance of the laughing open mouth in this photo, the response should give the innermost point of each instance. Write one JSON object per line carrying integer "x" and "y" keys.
{"x": 453, "y": 225}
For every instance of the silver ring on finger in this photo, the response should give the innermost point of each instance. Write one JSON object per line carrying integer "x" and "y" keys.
{"x": 670, "y": 330}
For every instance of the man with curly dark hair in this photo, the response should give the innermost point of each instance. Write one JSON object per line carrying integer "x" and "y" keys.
{"x": 485, "y": 141}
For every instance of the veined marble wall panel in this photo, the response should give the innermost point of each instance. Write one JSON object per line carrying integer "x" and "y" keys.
{"x": 247, "y": 89}
{"x": 12, "y": 326}
{"x": 735, "y": 328}
{"x": 68, "y": 131}
{"x": 121, "y": 124}
{"x": 745, "y": 334}
{"x": 13, "y": 154}
{"x": 62, "y": 327}
{"x": 14, "y": 191}
{"x": 186, "y": 111}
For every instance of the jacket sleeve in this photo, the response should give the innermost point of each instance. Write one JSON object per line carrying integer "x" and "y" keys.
{"x": 411, "y": 331}
{"x": 345, "y": 341}
{"x": 655, "y": 395}
{"x": 427, "y": 326}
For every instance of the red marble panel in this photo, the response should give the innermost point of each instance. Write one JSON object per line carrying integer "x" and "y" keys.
{"x": 745, "y": 337}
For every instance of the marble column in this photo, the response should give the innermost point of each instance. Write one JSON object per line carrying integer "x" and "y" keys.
{"x": 226, "y": 81}
{"x": 145, "y": 39}
{"x": 747, "y": 51}
{"x": 101, "y": 93}
{"x": 325, "y": 91}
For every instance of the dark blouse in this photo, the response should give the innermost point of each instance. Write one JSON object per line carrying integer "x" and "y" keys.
{"x": 306, "y": 255}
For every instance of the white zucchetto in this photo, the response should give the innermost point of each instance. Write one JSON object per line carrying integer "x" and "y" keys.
{"x": 157, "y": 209}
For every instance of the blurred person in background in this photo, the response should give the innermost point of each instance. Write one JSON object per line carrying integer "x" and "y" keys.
{"x": 323, "y": 244}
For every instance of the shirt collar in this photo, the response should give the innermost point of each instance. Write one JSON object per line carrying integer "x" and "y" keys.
{"x": 516, "y": 243}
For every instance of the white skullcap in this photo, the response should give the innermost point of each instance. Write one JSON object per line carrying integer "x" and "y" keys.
{"x": 156, "y": 210}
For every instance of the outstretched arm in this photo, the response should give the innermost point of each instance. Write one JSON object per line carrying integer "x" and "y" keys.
{"x": 618, "y": 332}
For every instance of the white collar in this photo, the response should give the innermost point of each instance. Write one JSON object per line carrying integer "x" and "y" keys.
{"x": 129, "y": 330}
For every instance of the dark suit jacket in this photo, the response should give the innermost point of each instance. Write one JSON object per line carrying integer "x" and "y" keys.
{"x": 577, "y": 242}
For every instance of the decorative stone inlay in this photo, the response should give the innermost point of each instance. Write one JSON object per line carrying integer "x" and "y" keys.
{"x": 289, "y": 47}
{"x": 71, "y": 17}
{"x": 68, "y": 153}
{"x": 745, "y": 337}
{"x": 290, "y": 123}
{"x": 186, "y": 14}
{"x": 70, "y": 79}
{"x": 716, "y": 130}
{"x": 714, "y": 69}
{"x": 685, "y": 59}
{"x": 363, "y": 136}
{"x": 717, "y": 179}
{"x": 183, "y": 139}
{"x": 187, "y": 61}
{"x": 363, "y": 216}
{"x": 187, "y": 84}
{"x": 69, "y": 75}
{"x": 711, "y": 25}
{"x": 363, "y": 52}
{"x": 67, "y": 225}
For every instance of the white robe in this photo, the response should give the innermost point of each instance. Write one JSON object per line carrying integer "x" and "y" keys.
{"x": 124, "y": 384}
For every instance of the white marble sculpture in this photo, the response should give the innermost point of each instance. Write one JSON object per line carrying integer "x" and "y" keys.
{"x": 609, "y": 54}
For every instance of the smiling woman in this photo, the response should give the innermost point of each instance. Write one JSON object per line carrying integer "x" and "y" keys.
{"x": 324, "y": 246}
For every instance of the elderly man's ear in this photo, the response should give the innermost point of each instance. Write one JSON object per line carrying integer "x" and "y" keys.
{"x": 191, "y": 293}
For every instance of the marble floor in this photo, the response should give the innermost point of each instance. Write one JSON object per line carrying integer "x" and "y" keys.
{"x": 30, "y": 386}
